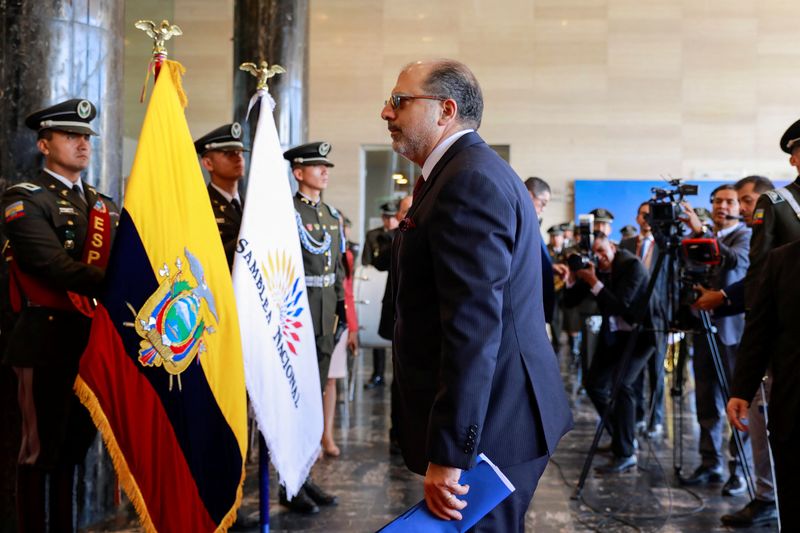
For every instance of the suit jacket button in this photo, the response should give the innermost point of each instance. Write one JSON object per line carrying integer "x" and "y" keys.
{"x": 466, "y": 451}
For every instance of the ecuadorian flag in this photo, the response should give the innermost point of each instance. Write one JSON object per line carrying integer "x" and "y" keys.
{"x": 162, "y": 375}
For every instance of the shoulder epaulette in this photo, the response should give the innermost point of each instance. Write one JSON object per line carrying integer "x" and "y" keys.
{"x": 774, "y": 197}
{"x": 30, "y": 187}
{"x": 333, "y": 211}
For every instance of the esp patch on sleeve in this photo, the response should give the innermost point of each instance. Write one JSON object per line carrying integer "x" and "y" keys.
{"x": 14, "y": 211}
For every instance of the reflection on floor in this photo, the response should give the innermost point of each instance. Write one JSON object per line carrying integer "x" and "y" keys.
{"x": 374, "y": 486}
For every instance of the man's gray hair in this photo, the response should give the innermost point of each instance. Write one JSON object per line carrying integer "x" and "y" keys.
{"x": 453, "y": 79}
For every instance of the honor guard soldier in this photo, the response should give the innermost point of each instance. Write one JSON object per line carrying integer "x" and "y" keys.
{"x": 60, "y": 231}
{"x": 628, "y": 232}
{"x": 776, "y": 219}
{"x": 221, "y": 154}
{"x": 603, "y": 218}
{"x": 322, "y": 242}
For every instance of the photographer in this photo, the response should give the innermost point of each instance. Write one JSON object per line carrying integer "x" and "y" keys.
{"x": 619, "y": 285}
{"x": 733, "y": 238}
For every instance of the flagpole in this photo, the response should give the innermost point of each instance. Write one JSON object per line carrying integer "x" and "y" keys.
{"x": 262, "y": 72}
{"x": 263, "y": 483}
{"x": 160, "y": 33}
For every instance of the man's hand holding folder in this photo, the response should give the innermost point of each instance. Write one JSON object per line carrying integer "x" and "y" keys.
{"x": 489, "y": 488}
{"x": 441, "y": 488}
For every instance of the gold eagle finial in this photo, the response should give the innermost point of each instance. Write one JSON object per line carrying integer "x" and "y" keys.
{"x": 262, "y": 72}
{"x": 160, "y": 33}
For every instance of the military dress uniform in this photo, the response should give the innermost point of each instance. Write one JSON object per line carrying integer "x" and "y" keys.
{"x": 227, "y": 211}
{"x": 776, "y": 219}
{"x": 322, "y": 243}
{"x": 48, "y": 224}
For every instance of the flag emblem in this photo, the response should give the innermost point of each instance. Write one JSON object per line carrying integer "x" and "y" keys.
{"x": 285, "y": 288}
{"x": 172, "y": 322}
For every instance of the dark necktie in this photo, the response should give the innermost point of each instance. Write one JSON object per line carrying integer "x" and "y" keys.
{"x": 417, "y": 187}
{"x": 79, "y": 192}
{"x": 236, "y": 205}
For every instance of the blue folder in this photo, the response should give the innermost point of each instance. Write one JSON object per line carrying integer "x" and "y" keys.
{"x": 487, "y": 488}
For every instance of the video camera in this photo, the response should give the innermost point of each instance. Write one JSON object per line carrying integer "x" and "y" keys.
{"x": 584, "y": 256}
{"x": 665, "y": 207}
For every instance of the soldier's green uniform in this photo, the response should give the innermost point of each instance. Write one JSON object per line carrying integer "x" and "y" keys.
{"x": 48, "y": 221}
{"x": 322, "y": 241}
{"x": 324, "y": 272}
{"x": 46, "y": 224}
{"x": 227, "y": 212}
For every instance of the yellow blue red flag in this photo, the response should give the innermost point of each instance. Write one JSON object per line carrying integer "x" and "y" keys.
{"x": 162, "y": 375}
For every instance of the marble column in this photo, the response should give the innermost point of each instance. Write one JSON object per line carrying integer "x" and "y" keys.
{"x": 50, "y": 51}
{"x": 275, "y": 31}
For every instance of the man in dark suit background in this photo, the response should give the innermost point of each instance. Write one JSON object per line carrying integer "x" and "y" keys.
{"x": 474, "y": 367}
{"x": 619, "y": 285}
{"x": 734, "y": 245}
{"x": 377, "y": 252}
{"x": 646, "y": 249}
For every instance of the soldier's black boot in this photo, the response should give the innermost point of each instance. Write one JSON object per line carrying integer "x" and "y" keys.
{"x": 30, "y": 499}
{"x": 319, "y": 496}
{"x": 61, "y": 499}
{"x": 301, "y": 503}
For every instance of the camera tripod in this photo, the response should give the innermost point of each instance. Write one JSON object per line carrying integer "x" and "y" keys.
{"x": 665, "y": 249}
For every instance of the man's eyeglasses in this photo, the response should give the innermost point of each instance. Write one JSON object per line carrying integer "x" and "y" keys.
{"x": 396, "y": 99}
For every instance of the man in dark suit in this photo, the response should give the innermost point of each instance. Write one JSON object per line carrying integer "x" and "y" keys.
{"x": 221, "y": 154}
{"x": 475, "y": 370}
{"x": 619, "y": 285}
{"x": 377, "y": 252}
{"x": 646, "y": 249}
{"x": 770, "y": 341}
{"x": 540, "y": 196}
{"x": 734, "y": 245}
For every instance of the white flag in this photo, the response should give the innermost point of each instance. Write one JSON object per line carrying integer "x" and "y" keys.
{"x": 280, "y": 354}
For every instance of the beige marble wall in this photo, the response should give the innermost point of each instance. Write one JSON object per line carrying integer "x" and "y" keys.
{"x": 205, "y": 49}
{"x": 580, "y": 89}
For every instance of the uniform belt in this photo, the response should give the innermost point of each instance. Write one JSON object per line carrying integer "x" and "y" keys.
{"x": 326, "y": 280}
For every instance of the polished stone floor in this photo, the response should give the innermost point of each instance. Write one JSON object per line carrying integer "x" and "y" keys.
{"x": 374, "y": 486}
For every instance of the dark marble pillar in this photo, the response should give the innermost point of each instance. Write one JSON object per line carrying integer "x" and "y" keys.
{"x": 53, "y": 50}
{"x": 275, "y": 31}
{"x": 50, "y": 51}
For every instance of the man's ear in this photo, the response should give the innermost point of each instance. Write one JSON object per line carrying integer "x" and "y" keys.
{"x": 297, "y": 172}
{"x": 43, "y": 146}
{"x": 207, "y": 163}
{"x": 449, "y": 111}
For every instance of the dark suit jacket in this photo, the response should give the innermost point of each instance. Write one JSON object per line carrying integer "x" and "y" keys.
{"x": 623, "y": 292}
{"x": 228, "y": 222}
{"x": 548, "y": 286}
{"x": 774, "y": 224}
{"x": 734, "y": 249}
{"x": 770, "y": 340}
{"x": 473, "y": 364}
{"x": 659, "y": 303}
